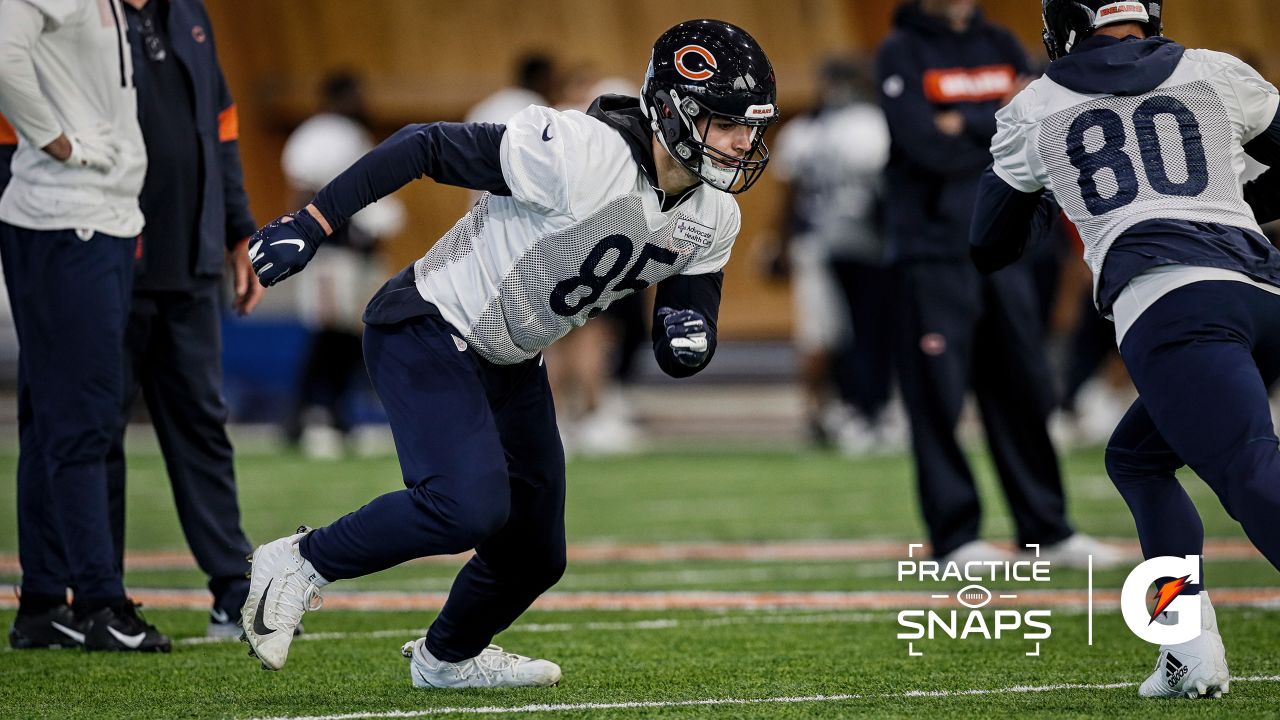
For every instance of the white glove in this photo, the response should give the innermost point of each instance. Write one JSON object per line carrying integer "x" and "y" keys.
{"x": 99, "y": 154}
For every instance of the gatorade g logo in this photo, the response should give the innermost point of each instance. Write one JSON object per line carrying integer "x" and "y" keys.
{"x": 1182, "y": 622}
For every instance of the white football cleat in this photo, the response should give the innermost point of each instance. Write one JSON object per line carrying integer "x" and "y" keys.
{"x": 1074, "y": 552}
{"x": 1193, "y": 669}
{"x": 282, "y": 586}
{"x": 492, "y": 668}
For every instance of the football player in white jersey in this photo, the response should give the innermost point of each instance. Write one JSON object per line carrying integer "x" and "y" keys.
{"x": 1141, "y": 142}
{"x": 580, "y": 209}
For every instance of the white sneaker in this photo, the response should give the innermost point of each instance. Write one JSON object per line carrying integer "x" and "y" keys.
{"x": 977, "y": 551}
{"x": 1074, "y": 553}
{"x": 492, "y": 668}
{"x": 282, "y": 586}
{"x": 1194, "y": 669}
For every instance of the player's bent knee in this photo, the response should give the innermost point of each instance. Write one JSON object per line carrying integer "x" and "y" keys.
{"x": 1122, "y": 466}
{"x": 549, "y": 568}
{"x": 471, "y": 523}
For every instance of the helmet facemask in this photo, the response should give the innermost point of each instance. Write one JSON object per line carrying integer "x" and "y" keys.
{"x": 678, "y": 124}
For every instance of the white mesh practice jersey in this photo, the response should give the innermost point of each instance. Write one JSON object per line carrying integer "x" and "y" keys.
{"x": 1113, "y": 161}
{"x": 582, "y": 228}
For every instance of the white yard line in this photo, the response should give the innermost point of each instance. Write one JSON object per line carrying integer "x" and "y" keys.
{"x": 655, "y": 704}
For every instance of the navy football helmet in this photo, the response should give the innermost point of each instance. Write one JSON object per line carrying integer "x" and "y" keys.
{"x": 1067, "y": 22}
{"x": 703, "y": 70}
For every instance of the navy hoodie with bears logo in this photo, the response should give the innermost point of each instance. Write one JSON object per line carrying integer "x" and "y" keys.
{"x": 924, "y": 68}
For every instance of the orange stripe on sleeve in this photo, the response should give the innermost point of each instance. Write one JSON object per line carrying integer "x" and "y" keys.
{"x": 7, "y": 134}
{"x": 229, "y": 124}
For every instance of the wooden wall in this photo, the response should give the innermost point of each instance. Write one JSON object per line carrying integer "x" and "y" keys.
{"x": 431, "y": 59}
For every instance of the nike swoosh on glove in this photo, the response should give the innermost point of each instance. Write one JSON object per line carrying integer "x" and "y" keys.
{"x": 284, "y": 246}
{"x": 686, "y": 335}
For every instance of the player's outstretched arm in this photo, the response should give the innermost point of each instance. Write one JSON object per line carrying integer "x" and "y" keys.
{"x": 462, "y": 154}
{"x": 684, "y": 322}
{"x": 1003, "y": 219}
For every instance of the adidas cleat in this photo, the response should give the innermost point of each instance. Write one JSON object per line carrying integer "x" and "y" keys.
{"x": 1193, "y": 669}
{"x": 283, "y": 585}
{"x": 492, "y": 668}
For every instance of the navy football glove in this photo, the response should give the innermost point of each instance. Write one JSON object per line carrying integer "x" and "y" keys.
{"x": 686, "y": 335}
{"x": 284, "y": 246}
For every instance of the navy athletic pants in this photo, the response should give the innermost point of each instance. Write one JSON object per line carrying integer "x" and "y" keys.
{"x": 70, "y": 299}
{"x": 1201, "y": 357}
{"x": 483, "y": 468}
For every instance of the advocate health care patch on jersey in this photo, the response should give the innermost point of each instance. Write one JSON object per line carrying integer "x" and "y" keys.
{"x": 693, "y": 232}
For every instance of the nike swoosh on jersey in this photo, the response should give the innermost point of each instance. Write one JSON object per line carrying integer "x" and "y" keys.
{"x": 546, "y": 132}
{"x": 219, "y": 615}
{"x": 291, "y": 241}
{"x": 259, "y": 626}
{"x": 131, "y": 641}
{"x": 77, "y": 636}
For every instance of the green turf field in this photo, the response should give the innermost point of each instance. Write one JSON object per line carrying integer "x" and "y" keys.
{"x": 715, "y": 662}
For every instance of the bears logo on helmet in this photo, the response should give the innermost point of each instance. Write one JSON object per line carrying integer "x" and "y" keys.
{"x": 701, "y": 57}
{"x": 702, "y": 70}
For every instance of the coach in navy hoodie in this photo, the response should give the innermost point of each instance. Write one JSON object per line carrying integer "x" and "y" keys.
{"x": 943, "y": 72}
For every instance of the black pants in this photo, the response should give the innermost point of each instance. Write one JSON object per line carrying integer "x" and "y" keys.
{"x": 864, "y": 373}
{"x": 1091, "y": 342}
{"x": 174, "y": 356}
{"x": 960, "y": 330}
{"x": 70, "y": 297}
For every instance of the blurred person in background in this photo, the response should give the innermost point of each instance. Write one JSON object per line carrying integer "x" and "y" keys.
{"x": 332, "y": 295}
{"x": 1094, "y": 389}
{"x": 69, "y": 223}
{"x": 943, "y": 72}
{"x": 533, "y": 84}
{"x": 590, "y": 366}
{"x": 830, "y": 245}
{"x": 197, "y": 224}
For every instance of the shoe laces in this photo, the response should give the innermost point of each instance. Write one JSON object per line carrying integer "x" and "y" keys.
{"x": 492, "y": 662}
{"x": 127, "y": 611}
{"x": 295, "y": 587}
{"x": 296, "y": 597}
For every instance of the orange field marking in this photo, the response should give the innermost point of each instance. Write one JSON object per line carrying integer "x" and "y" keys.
{"x": 778, "y": 551}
